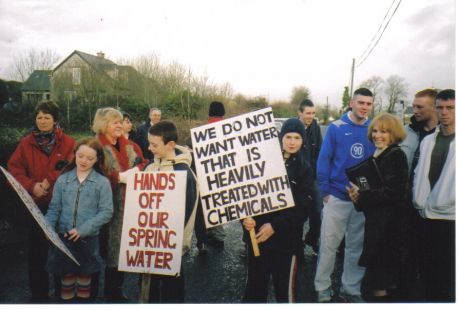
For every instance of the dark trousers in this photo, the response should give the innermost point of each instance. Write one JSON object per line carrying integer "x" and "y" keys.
{"x": 410, "y": 286}
{"x": 314, "y": 218}
{"x": 200, "y": 227}
{"x": 283, "y": 270}
{"x": 438, "y": 260}
{"x": 113, "y": 284}
{"x": 38, "y": 253}
{"x": 167, "y": 289}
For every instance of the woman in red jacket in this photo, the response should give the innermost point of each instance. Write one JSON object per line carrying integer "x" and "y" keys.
{"x": 36, "y": 164}
{"x": 121, "y": 155}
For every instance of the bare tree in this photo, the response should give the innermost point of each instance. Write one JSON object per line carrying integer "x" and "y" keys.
{"x": 396, "y": 89}
{"x": 298, "y": 94}
{"x": 25, "y": 63}
{"x": 375, "y": 84}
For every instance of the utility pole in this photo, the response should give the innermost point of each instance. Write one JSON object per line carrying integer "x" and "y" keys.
{"x": 352, "y": 76}
{"x": 326, "y": 112}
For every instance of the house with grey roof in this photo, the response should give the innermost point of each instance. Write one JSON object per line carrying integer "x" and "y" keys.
{"x": 37, "y": 87}
{"x": 93, "y": 78}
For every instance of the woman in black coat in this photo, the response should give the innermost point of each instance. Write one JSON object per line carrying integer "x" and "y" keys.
{"x": 383, "y": 207}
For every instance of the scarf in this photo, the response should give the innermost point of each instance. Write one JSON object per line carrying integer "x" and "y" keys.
{"x": 45, "y": 140}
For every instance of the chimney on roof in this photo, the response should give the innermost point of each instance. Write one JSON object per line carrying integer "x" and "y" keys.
{"x": 100, "y": 55}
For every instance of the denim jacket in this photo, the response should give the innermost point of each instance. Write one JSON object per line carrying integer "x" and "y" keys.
{"x": 84, "y": 206}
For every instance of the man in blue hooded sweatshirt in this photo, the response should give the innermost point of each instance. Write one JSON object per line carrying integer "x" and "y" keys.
{"x": 344, "y": 145}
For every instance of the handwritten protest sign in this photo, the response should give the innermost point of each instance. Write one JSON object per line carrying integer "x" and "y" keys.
{"x": 37, "y": 214}
{"x": 240, "y": 168}
{"x": 153, "y": 222}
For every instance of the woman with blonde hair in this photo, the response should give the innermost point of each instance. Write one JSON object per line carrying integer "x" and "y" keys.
{"x": 383, "y": 207}
{"x": 121, "y": 155}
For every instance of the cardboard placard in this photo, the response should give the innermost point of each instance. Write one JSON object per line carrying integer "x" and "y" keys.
{"x": 153, "y": 222}
{"x": 30, "y": 204}
{"x": 240, "y": 168}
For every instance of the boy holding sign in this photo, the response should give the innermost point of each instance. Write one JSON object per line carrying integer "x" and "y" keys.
{"x": 169, "y": 156}
{"x": 279, "y": 234}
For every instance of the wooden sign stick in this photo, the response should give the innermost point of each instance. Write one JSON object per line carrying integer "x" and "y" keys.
{"x": 255, "y": 246}
{"x": 145, "y": 288}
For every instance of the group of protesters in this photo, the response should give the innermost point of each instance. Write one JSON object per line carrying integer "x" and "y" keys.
{"x": 399, "y": 233}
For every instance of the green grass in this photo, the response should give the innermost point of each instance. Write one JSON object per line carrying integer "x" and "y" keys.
{"x": 77, "y": 135}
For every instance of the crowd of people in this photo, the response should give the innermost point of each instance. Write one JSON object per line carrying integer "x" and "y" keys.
{"x": 400, "y": 234}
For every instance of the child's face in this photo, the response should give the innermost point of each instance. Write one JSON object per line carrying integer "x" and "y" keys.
{"x": 85, "y": 158}
{"x": 159, "y": 148}
{"x": 292, "y": 142}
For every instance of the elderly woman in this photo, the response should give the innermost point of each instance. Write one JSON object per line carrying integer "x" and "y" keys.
{"x": 121, "y": 155}
{"x": 36, "y": 164}
{"x": 383, "y": 207}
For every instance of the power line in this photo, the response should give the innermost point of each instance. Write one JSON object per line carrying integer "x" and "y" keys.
{"x": 377, "y": 32}
{"x": 380, "y": 34}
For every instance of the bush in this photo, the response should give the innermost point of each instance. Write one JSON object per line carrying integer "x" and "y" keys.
{"x": 9, "y": 139}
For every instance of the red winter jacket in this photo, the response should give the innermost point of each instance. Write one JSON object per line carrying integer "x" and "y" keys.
{"x": 30, "y": 165}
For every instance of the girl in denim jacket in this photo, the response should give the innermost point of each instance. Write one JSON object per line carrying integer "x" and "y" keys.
{"x": 81, "y": 204}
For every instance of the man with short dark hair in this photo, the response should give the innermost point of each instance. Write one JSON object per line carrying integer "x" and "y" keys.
{"x": 345, "y": 145}
{"x": 143, "y": 130}
{"x": 312, "y": 143}
{"x": 434, "y": 199}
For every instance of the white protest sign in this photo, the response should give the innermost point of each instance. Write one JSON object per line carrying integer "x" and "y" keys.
{"x": 240, "y": 168}
{"x": 153, "y": 222}
{"x": 37, "y": 215}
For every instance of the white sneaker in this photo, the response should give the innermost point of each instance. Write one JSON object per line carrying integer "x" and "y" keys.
{"x": 325, "y": 295}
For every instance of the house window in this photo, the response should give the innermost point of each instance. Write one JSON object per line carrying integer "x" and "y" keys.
{"x": 76, "y": 76}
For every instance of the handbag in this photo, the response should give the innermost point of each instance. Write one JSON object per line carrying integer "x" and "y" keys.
{"x": 366, "y": 175}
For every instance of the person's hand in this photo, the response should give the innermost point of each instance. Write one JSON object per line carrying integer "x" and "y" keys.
{"x": 265, "y": 232}
{"x": 326, "y": 198}
{"x": 46, "y": 185}
{"x": 123, "y": 176}
{"x": 249, "y": 223}
{"x": 353, "y": 192}
{"x": 72, "y": 235}
{"x": 39, "y": 190}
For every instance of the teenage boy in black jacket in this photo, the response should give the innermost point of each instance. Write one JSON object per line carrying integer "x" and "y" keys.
{"x": 279, "y": 234}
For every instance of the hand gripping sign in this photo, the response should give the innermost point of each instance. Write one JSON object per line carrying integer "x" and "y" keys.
{"x": 240, "y": 168}
{"x": 153, "y": 222}
{"x": 29, "y": 203}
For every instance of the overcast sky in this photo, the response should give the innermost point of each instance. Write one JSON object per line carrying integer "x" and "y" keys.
{"x": 261, "y": 47}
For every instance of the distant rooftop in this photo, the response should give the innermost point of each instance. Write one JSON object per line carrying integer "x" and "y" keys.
{"x": 39, "y": 80}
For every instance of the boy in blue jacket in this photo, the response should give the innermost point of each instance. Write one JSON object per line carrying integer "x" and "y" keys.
{"x": 344, "y": 145}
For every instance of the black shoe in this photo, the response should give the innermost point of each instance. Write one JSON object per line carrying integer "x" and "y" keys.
{"x": 88, "y": 300}
{"x": 381, "y": 299}
{"x": 39, "y": 300}
{"x": 67, "y": 301}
